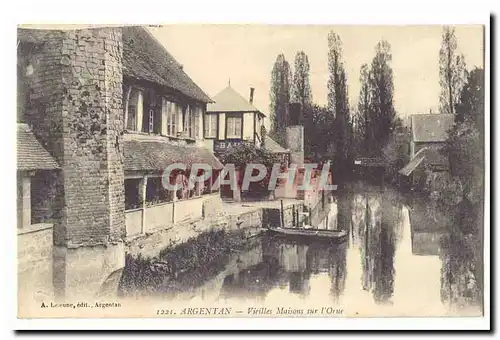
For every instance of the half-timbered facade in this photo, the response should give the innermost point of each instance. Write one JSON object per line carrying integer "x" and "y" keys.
{"x": 231, "y": 120}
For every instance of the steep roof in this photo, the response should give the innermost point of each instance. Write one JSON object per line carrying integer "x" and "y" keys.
{"x": 228, "y": 100}
{"x": 31, "y": 155}
{"x": 431, "y": 127}
{"x": 157, "y": 155}
{"x": 146, "y": 59}
{"x": 272, "y": 146}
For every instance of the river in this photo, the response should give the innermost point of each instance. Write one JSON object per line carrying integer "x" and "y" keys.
{"x": 400, "y": 260}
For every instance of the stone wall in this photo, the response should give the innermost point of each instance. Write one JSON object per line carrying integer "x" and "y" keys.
{"x": 73, "y": 80}
{"x": 34, "y": 260}
{"x": 74, "y": 104}
{"x": 150, "y": 245}
{"x": 251, "y": 223}
{"x": 295, "y": 142}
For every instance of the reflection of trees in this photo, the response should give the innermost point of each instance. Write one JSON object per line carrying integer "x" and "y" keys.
{"x": 331, "y": 259}
{"x": 378, "y": 231}
{"x": 338, "y": 269}
{"x": 461, "y": 272}
{"x": 297, "y": 261}
{"x": 255, "y": 281}
{"x": 291, "y": 261}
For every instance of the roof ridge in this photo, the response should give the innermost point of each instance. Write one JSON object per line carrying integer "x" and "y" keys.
{"x": 229, "y": 90}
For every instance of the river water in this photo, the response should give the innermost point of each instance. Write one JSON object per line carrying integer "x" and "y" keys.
{"x": 400, "y": 260}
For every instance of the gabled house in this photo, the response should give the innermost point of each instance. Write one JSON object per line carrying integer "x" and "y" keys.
{"x": 428, "y": 135}
{"x": 163, "y": 119}
{"x": 429, "y": 130}
{"x": 231, "y": 120}
{"x": 101, "y": 113}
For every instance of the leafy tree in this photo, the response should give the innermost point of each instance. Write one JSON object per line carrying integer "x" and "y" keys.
{"x": 281, "y": 77}
{"x": 465, "y": 144}
{"x": 337, "y": 89}
{"x": 397, "y": 150}
{"x": 317, "y": 123}
{"x": 338, "y": 104}
{"x": 470, "y": 108}
{"x": 246, "y": 153}
{"x": 301, "y": 87}
{"x": 363, "y": 131}
{"x": 382, "y": 114}
{"x": 451, "y": 71}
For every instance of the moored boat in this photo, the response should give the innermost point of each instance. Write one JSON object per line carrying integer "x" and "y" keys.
{"x": 320, "y": 234}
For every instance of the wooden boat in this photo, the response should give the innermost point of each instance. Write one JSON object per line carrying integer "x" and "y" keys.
{"x": 319, "y": 234}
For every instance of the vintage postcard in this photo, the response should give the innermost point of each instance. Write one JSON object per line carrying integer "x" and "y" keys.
{"x": 249, "y": 171}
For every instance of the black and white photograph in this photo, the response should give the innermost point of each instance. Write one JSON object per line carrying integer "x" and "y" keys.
{"x": 251, "y": 171}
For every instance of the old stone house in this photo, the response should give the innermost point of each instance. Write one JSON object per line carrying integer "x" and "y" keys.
{"x": 112, "y": 109}
{"x": 428, "y": 135}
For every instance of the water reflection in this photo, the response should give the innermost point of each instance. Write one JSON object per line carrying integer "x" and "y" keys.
{"x": 403, "y": 258}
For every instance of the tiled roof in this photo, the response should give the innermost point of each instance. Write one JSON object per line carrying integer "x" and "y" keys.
{"x": 431, "y": 127}
{"x": 157, "y": 155}
{"x": 228, "y": 100}
{"x": 145, "y": 58}
{"x": 31, "y": 155}
{"x": 272, "y": 146}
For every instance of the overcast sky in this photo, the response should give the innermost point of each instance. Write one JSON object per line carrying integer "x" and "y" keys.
{"x": 211, "y": 54}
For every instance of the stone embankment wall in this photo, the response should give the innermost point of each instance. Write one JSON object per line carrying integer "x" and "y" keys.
{"x": 247, "y": 224}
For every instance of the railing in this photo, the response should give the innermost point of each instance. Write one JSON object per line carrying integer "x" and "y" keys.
{"x": 312, "y": 217}
{"x": 319, "y": 212}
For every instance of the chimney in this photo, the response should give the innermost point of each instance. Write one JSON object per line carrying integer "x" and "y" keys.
{"x": 251, "y": 95}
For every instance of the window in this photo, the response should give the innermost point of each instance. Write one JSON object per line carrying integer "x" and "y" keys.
{"x": 197, "y": 114}
{"x": 169, "y": 111}
{"x": 233, "y": 127}
{"x": 132, "y": 194}
{"x": 210, "y": 126}
{"x": 134, "y": 116}
{"x": 156, "y": 193}
{"x": 152, "y": 112}
{"x": 151, "y": 121}
{"x": 189, "y": 120}
{"x": 181, "y": 180}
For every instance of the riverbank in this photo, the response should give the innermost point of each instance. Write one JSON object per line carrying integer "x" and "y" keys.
{"x": 244, "y": 219}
